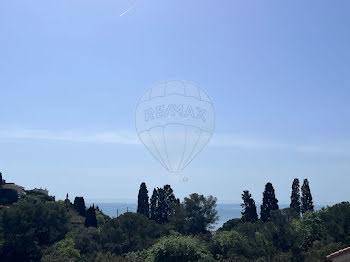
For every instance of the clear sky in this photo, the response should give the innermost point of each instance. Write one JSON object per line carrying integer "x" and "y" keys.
{"x": 277, "y": 71}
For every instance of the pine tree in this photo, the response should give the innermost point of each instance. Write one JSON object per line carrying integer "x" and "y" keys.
{"x": 169, "y": 193}
{"x": 90, "y": 220}
{"x": 306, "y": 198}
{"x": 171, "y": 200}
{"x": 269, "y": 202}
{"x": 163, "y": 204}
{"x": 154, "y": 206}
{"x": 295, "y": 196}
{"x": 249, "y": 213}
{"x": 142, "y": 202}
{"x": 79, "y": 205}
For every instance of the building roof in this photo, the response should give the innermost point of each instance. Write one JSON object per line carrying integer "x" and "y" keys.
{"x": 339, "y": 253}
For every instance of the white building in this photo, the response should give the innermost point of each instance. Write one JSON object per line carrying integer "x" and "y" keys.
{"x": 41, "y": 191}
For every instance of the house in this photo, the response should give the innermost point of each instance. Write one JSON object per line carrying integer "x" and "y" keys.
{"x": 41, "y": 191}
{"x": 340, "y": 256}
{"x": 19, "y": 189}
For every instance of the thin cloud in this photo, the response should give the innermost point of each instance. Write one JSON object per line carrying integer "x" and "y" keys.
{"x": 127, "y": 10}
{"x": 249, "y": 143}
{"x": 234, "y": 141}
{"x": 238, "y": 141}
{"x": 117, "y": 137}
{"x": 334, "y": 149}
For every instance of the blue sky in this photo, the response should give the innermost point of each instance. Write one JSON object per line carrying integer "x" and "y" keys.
{"x": 71, "y": 73}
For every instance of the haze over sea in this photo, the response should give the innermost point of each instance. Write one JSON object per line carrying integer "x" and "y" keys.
{"x": 225, "y": 211}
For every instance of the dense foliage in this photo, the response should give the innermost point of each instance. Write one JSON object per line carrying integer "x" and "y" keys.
{"x": 269, "y": 203}
{"x": 142, "y": 200}
{"x": 200, "y": 213}
{"x": 163, "y": 204}
{"x": 26, "y": 227}
{"x": 306, "y": 197}
{"x": 91, "y": 220}
{"x": 40, "y": 229}
{"x": 175, "y": 248}
{"x": 79, "y": 205}
{"x": 295, "y": 196}
{"x": 8, "y": 196}
{"x": 249, "y": 213}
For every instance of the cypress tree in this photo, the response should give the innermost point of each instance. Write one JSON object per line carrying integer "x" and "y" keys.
{"x": 295, "y": 196}
{"x": 249, "y": 213}
{"x": 142, "y": 202}
{"x": 90, "y": 220}
{"x": 163, "y": 206}
{"x": 154, "y": 205}
{"x": 79, "y": 205}
{"x": 306, "y": 198}
{"x": 269, "y": 202}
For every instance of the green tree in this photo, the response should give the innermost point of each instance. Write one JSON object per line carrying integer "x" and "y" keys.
{"x": 28, "y": 226}
{"x": 87, "y": 241}
{"x": 179, "y": 221}
{"x": 173, "y": 249}
{"x": 154, "y": 215}
{"x": 337, "y": 222}
{"x": 319, "y": 251}
{"x": 309, "y": 229}
{"x": 130, "y": 232}
{"x": 279, "y": 230}
{"x": 90, "y": 220}
{"x": 295, "y": 196}
{"x": 230, "y": 224}
{"x": 101, "y": 218}
{"x": 200, "y": 212}
{"x": 163, "y": 204}
{"x": 8, "y": 196}
{"x": 249, "y": 213}
{"x": 79, "y": 205}
{"x": 171, "y": 200}
{"x": 269, "y": 202}
{"x": 62, "y": 251}
{"x": 142, "y": 200}
{"x": 306, "y": 197}
{"x": 163, "y": 207}
{"x": 231, "y": 244}
{"x": 109, "y": 257}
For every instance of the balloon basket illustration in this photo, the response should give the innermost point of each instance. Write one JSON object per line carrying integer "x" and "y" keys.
{"x": 175, "y": 120}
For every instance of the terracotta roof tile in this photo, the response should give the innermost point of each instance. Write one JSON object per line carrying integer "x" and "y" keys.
{"x": 338, "y": 253}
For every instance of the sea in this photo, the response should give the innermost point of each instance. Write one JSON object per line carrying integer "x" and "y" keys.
{"x": 225, "y": 211}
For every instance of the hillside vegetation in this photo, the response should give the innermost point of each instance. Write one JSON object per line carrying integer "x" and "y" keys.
{"x": 38, "y": 228}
